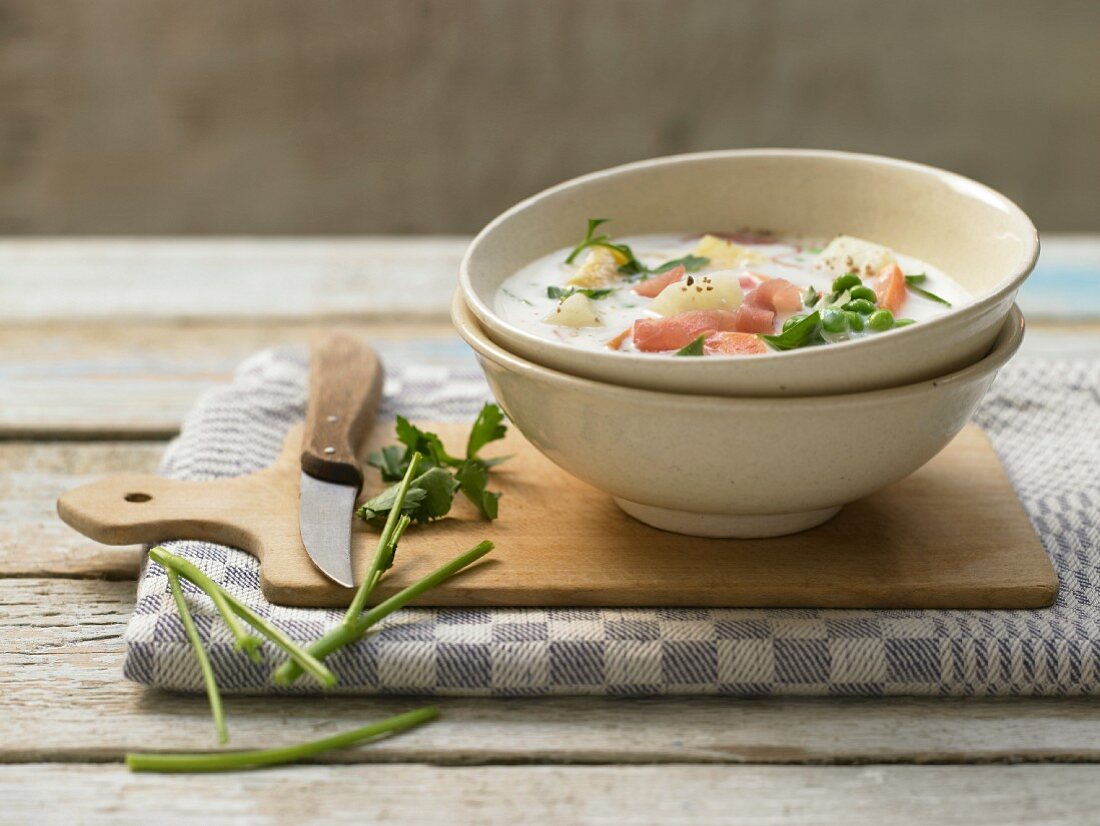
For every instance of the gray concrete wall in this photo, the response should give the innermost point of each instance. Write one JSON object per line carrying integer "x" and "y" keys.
{"x": 332, "y": 116}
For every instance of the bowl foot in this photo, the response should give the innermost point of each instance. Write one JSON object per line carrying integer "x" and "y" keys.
{"x": 724, "y": 525}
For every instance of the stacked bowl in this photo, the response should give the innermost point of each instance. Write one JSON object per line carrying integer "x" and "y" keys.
{"x": 766, "y": 444}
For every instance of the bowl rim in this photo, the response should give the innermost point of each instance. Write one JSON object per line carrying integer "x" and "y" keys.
{"x": 979, "y": 303}
{"x": 1007, "y": 343}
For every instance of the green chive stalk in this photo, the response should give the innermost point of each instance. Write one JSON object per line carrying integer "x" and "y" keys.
{"x": 200, "y": 654}
{"x": 305, "y": 660}
{"x": 346, "y": 633}
{"x": 245, "y": 642}
{"x": 387, "y": 543}
{"x": 231, "y": 761}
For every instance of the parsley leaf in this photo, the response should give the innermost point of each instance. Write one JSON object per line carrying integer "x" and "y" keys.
{"x": 630, "y": 265}
{"x": 589, "y": 238}
{"x": 473, "y": 478}
{"x": 431, "y": 494}
{"x": 488, "y": 427}
{"x": 377, "y": 508}
{"x": 419, "y": 441}
{"x": 695, "y": 348}
{"x": 691, "y": 263}
{"x": 562, "y": 294}
{"x": 390, "y": 461}
{"x": 805, "y": 332}
{"x": 913, "y": 280}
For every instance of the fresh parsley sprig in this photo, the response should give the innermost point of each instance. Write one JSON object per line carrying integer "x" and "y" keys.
{"x": 627, "y": 264}
{"x": 431, "y": 494}
{"x": 914, "y": 282}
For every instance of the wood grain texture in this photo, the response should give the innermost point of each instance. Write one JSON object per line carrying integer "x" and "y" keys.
{"x": 65, "y": 700}
{"x": 345, "y": 391}
{"x": 376, "y": 279}
{"x": 60, "y": 639}
{"x": 137, "y": 381}
{"x": 33, "y": 541}
{"x": 506, "y": 795}
{"x": 111, "y": 279}
{"x": 559, "y": 542}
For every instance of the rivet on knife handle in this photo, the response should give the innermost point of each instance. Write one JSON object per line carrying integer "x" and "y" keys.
{"x": 345, "y": 391}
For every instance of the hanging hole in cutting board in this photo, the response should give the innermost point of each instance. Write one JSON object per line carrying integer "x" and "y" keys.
{"x": 137, "y": 497}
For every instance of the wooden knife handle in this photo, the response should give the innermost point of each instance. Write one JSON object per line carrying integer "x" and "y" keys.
{"x": 345, "y": 391}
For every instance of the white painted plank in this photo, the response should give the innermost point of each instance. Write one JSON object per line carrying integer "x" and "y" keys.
{"x": 139, "y": 380}
{"x": 33, "y": 541}
{"x": 143, "y": 279}
{"x": 1066, "y": 281}
{"x": 65, "y": 699}
{"x": 593, "y": 795}
{"x": 118, "y": 279}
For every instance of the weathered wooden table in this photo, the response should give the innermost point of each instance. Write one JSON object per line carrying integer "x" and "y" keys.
{"x": 103, "y": 346}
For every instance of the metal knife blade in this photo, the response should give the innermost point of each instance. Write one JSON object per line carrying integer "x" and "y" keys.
{"x": 324, "y": 518}
{"x": 345, "y": 390}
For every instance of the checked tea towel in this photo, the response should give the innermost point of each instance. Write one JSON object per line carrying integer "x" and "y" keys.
{"x": 1044, "y": 419}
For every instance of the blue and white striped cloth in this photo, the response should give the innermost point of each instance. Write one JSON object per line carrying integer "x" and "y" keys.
{"x": 1044, "y": 418}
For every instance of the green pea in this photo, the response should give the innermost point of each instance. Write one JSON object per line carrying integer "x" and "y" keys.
{"x": 845, "y": 282}
{"x": 860, "y": 305}
{"x": 793, "y": 320}
{"x": 904, "y": 322}
{"x": 864, "y": 292}
{"x": 834, "y": 321}
{"x": 881, "y": 320}
{"x": 855, "y": 321}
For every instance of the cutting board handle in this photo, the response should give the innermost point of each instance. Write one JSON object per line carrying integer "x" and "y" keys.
{"x": 143, "y": 509}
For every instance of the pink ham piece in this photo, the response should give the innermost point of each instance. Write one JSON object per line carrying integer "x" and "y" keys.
{"x": 653, "y": 287}
{"x": 755, "y": 315}
{"x": 757, "y": 312}
{"x": 752, "y": 319}
{"x": 654, "y": 335}
{"x": 778, "y": 295}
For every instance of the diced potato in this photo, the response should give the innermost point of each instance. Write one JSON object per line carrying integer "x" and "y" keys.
{"x": 724, "y": 254}
{"x": 599, "y": 269}
{"x": 846, "y": 253}
{"x": 714, "y": 291}
{"x": 576, "y": 311}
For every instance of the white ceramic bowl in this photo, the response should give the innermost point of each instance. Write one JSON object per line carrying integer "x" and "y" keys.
{"x": 977, "y": 236}
{"x": 734, "y": 467}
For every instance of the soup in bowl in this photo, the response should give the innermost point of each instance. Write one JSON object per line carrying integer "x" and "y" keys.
{"x": 733, "y": 467}
{"x": 753, "y": 273}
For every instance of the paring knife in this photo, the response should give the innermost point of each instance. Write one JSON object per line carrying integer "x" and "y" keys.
{"x": 345, "y": 391}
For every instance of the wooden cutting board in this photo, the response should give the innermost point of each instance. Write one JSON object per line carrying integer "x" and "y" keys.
{"x": 952, "y": 535}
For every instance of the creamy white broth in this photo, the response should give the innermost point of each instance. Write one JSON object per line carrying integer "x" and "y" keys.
{"x": 522, "y": 299}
